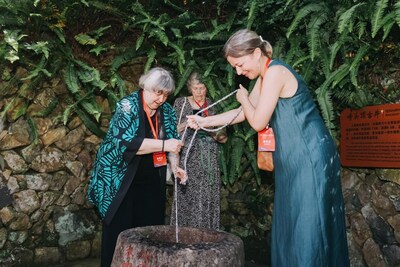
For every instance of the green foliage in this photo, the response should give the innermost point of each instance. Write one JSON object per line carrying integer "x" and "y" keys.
{"x": 337, "y": 46}
{"x": 345, "y": 79}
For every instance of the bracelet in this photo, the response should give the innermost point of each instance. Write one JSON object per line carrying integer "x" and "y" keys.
{"x": 162, "y": 149}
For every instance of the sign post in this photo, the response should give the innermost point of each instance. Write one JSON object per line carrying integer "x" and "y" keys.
{"x": 370, "y": 137}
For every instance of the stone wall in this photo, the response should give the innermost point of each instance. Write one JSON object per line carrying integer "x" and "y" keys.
{"x": 372, "y": 204}
{"x": 46, "y": 219}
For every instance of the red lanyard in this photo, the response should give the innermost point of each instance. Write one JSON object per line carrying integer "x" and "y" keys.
{"x": 265, "y": 70}
{"x": 202, "y": 106}
{"x": 155, "y": 132}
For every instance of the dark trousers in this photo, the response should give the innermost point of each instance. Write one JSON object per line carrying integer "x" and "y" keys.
{"x": 143, "y": 205}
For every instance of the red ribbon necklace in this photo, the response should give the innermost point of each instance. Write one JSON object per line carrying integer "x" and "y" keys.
{"x": 155, "y": 131}
{"x": 202, "y": 106}
{"x": 265, "y": 70}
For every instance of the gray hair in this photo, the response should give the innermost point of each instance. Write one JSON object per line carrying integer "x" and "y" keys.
{"x": 244, "y": 42}
{"x": 157, "y": 79}
{"x": 195, "y": 77}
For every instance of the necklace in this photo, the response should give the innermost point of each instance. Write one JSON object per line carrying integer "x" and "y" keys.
{"x": 202, "y": 106}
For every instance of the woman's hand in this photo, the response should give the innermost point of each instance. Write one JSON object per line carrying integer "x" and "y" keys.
{"x": 181, "y": 175}
{"x": 181, "y": 127}
{"x": 173, "y": 145}
{"x": 242, "y": 94}
{"x": 195, "y": 121}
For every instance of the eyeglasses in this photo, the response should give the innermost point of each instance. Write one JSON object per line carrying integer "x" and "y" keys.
{"x": 160, "y": 92}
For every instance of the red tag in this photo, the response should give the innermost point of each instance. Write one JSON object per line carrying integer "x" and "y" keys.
{"x": 159, "y": 159}
{"x": 266, "y": 140}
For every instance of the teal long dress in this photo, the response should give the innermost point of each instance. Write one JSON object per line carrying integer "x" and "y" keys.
{"x": 308, "y": 228}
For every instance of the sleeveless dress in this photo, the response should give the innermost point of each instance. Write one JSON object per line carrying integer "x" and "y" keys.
{"x": 308, "y": 227}
{"x": 199, "y": 199}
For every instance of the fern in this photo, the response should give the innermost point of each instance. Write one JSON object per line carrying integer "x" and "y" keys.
{"x": 211, "y": 88}
{"x": 183, "y": 78}
{"x": 314, "y": 41}
{"x": 39, "y": 69}
{"x": 34, "y": 130}
{"x": 117, "y": 81}
{"x": 209, "y": 69}
{"x": 91, "y": 107}
{"x": 139, "y": 41}
{"x": 180, "y": 54}
{"x": 252, "y": 14}
{"x": 222, "y": 163}
{"x": 308, "y": 72}
{"x": 340, "y": 75}
{"x": 347, "y": 17}
{"x": 376, "y": 21}
{"x": 150, "y": 59}
{"x": 300, "y": 60}
{"x": 294, "y": 51}
{"x": 324, "y": 60}
{"x": 160, "y": 36}
{"x": 356, "y": 63}
{"x": 235, "y": 157}
{"x": 71, "y": 79}
{"x": 397, "y": 12}
{"x": 325, "y": 103}
{"x": 92, "y": 126}
{"x": 361, "y": 29}
{"x": 387, "y": 23}
{"x": 302, "y": 13}
{"x": 121, "y": 59}
{"x": 217, "y": 28}
{"x": 324, "y": 96}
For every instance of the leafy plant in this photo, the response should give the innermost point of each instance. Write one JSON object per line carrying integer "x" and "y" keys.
{"x": 344, "y": 51}
{"x": 336, "y": 46}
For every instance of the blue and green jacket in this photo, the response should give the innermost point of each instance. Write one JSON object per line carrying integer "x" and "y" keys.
{"x": 109, "y": 182}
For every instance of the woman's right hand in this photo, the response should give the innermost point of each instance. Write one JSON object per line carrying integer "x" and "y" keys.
{"x": 195, "y": 121}
{"x": 173, "y": 145}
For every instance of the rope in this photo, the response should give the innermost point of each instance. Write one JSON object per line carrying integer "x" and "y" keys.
{"x": 206, "y": 108}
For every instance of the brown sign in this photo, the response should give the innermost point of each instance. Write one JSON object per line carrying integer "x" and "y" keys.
{"x": 370, "y": 137}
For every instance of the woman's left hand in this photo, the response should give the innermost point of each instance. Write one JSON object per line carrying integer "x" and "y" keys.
{"x": 181, "y": 174}
{"x": 242, "y": 94}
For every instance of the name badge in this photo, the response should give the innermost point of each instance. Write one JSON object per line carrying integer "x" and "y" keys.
{"x": 266, "y": 140}
{"x": 159, "y": 159}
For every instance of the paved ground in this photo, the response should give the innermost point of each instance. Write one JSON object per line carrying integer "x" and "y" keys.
{"x": 96, "y": 263}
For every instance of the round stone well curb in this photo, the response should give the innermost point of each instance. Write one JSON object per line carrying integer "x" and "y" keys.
{"x": 157, "y": 246}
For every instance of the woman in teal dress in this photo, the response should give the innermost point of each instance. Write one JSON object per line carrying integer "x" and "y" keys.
{"x": 308, "y": 227}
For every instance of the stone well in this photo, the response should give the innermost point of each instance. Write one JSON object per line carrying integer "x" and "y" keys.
{"x": 156, "y": 246}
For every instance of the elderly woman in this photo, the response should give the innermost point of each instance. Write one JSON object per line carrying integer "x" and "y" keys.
{"x": 128, "y": 179}
{"x": 198, "y": 199}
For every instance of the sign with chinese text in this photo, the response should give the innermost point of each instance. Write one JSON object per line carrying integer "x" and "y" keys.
{"x": 370, "y": 137}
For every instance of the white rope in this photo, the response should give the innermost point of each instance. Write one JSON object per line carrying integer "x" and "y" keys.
{"x": 204, "y": 109}
{"x": 207, "y": 130}
{"x": 176, "y": 185}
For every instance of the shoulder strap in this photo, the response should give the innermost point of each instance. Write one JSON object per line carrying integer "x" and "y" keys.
{"x": 183, "y": 106}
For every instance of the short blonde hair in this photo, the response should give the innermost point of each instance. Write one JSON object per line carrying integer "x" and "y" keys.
{"x": 244, "y": 42}
{"x": 157, "y": 79}
{"x": 195, "y": 77}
